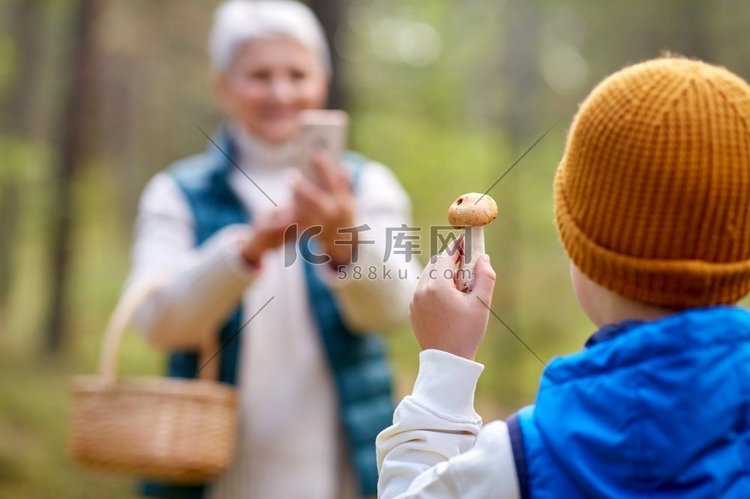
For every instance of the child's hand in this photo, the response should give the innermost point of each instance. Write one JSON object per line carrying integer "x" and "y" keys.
{"x": 445, "y": 318}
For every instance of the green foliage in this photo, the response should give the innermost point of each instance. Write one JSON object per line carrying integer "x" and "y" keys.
{"x": 34, "y": 400}
{"x": 23, "y": 160}
{"x": 424, "y": 155}
{"x": 33, "y": 429}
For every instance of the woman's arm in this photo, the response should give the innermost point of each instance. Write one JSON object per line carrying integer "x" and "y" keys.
{"x": 198, "y": 287}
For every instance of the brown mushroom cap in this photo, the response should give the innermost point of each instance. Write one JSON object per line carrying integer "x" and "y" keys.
{"x": 472, "y": 209}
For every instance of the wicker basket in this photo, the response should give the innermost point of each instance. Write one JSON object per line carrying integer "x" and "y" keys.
{"x": 170, "y": 429}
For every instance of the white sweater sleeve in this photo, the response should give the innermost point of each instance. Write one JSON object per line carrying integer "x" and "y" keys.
{"x": 195, "y": 287}
{"x": 374, "y": 292}
{"x": 437, "y": 448}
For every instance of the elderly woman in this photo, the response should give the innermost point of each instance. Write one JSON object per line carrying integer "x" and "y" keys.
{"x": 297, "y": 338}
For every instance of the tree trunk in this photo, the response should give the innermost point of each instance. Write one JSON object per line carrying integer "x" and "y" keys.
{"x": 331, "y": 14}
{"x": 17, "y": 122}
{"x": 9, "y": 213}
{"x": 70, "y": 154}
{"x": 518, "y": 120}
{"x": 519, "y": 124}
{"x": 27, "y": 18}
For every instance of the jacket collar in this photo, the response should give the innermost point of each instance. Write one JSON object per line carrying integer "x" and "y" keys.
{"x": 610, "y": 331}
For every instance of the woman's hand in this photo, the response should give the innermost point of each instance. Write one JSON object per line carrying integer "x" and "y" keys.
{"x": 267, "y": 232}
{"x": 328, "y": 203}
{"x": 444, "y": 318}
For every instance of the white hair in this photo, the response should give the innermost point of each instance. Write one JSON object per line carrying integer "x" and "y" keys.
{"x": 239, "y": 21}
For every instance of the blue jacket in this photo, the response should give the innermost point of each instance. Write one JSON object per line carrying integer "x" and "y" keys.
{"x": 655, "y": 409}
{"x": 358, "y": 362}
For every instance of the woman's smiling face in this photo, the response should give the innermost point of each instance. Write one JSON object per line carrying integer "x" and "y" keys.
{"x": 270, "y": 81}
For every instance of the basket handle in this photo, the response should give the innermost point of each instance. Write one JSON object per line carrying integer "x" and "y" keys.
{"x": 121, "y": 318}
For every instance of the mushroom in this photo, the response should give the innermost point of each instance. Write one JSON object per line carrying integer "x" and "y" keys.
{"x": 473, "y": 210}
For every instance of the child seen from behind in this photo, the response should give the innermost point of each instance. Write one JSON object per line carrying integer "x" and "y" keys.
{"x": 652, "y": 204}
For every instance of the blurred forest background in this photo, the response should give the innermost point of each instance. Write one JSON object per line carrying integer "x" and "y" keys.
{"x": 96, "y": 96}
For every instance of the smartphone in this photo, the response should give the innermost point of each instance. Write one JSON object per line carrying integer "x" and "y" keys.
{"x": 325, "y": 130}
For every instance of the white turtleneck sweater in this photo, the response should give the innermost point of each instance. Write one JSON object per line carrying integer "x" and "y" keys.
{"x": 290, "y": 441}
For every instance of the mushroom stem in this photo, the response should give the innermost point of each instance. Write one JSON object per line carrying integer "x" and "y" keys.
{"x": 476, "y": 243}
{"x": 473, "y": 249}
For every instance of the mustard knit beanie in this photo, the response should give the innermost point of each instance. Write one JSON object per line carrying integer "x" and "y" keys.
{"x": 652, "y": 196}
